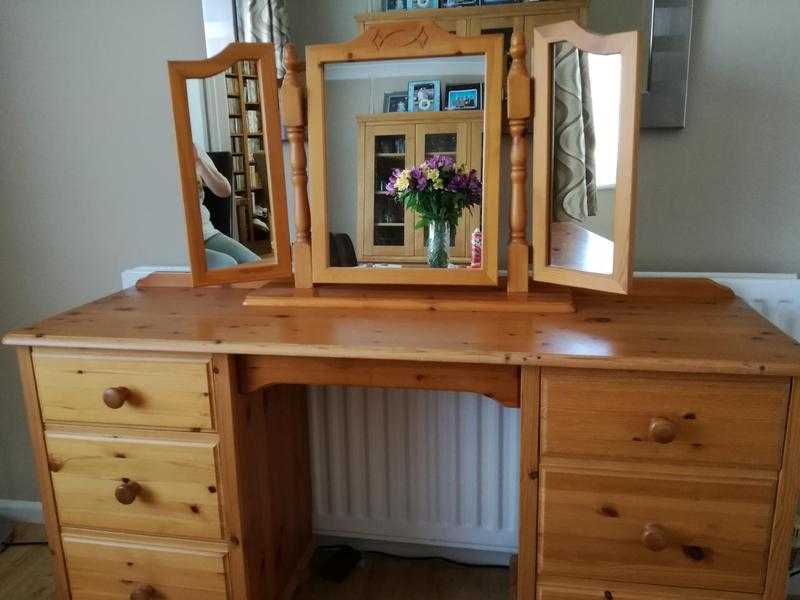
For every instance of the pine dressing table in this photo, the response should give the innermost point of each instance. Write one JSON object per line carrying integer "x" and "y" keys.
{"x": 660, "y": 419}
{"x": 659, "y": 437}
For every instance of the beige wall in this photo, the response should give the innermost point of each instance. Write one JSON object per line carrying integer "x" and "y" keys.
{"x": 88, "y": 174}
{"x": 724, "y": 193}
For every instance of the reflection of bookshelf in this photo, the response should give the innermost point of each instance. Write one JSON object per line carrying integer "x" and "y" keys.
{"x": 244, "y": 116}
{"x": 389, "y": 141}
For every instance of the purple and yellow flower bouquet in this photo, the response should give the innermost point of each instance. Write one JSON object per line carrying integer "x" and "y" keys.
{"x": 438, "y": 191}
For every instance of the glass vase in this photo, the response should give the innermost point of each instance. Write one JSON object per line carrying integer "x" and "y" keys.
{"x": 438, "y": 244}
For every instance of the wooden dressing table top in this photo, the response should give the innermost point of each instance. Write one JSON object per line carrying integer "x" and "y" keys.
{"x": 707, "y": 330}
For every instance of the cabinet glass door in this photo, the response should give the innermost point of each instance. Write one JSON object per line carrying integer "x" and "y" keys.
{"x": 445, "y": 140}
{"x": 388, "y": 228}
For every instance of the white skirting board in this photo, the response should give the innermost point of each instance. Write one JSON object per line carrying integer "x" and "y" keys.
{"x": 21, "y": 511}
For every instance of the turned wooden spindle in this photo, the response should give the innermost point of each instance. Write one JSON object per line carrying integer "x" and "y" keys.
{"x": 662, "y": 430}
{"x": 654, "y": 537}
{"x": 519, "y": 113}
{"x": 293, "y": 114}
{"x": 127, "y": 492}
{"x": 115, "y": 397}
{"x": 143, "y": 592}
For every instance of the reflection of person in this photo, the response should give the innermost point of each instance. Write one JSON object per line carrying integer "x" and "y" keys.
{"x": 221, "y": 251}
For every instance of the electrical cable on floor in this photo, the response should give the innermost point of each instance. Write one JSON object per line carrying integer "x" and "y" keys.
{"x": 401, "y": 557}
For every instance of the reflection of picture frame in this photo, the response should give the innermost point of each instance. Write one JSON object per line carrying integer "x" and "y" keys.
{"x": 458, "y": 3}
{"x": 464, "y": 96}
{"x": 393, "y": 4}
{"x": 424, "y": 96}
{"x": 491, "y": 2}
{"x": 412, "y": 4}
{"x": 395, "y": 101}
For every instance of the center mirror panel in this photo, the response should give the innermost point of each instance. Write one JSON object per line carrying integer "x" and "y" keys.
{"x": 404, "y": 162}
{"x": 586, "y": 94}
{"x": 231, "y": 167}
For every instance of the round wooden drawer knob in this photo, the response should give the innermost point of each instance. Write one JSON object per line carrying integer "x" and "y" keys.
{"x": 127, "y": 492}
{"x": 115, "y": 397}
{"x": 654, "y": 537}
{"x": 663, "y": 431}
{"x": 143, "y": 592}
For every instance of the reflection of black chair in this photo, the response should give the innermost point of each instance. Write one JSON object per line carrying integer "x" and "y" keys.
{"x": 221, "y": 209}
{"x": 343, "y": 253}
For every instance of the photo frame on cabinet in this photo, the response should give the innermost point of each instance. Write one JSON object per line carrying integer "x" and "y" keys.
{"x": 228, "y": 136}
{"x": 585, "y": 168}
{"x": 353, "y": 190}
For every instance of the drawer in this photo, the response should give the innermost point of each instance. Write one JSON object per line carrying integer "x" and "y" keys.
{"x": 700, "y": 419}
{"x": 108, "y": 567}
{"x": 575, "y": 589}
{"x": 146, "y": 390}
{"x": 165, "y": 485}
{"x": 671, "y": 530}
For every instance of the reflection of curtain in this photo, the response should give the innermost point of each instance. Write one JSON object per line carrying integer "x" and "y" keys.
{"x": 574, "y": 187}
{"x": 264, "y": 21}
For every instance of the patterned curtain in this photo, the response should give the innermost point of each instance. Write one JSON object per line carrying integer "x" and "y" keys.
{"x": 264, "y": 21}
{"x": 574, "y": 186}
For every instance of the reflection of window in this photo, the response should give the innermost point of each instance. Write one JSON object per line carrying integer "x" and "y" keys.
{"x": 605, "y": 75}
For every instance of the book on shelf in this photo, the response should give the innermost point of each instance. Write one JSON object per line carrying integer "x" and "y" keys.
{"x": 255, "y": 180}
{"x": 248, "y": 67}
{"x": 253, "y": 121}
{"x": 233, "y": 106}
{"x": 236, "y": 145}
{"x": 232, "y": 85}
{"x": 238, "y": 183}
{"x": 238, "y": 163}
{"x": 251, "y": 90}
{"x": 254, "y": 145}
{"x": 235, "y": 125}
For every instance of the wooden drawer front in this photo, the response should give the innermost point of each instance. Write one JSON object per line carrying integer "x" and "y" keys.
{"x": 575, "y": 589}
{"x": 106, "y": 567}
{"x": 715, "y": 420}
{"x": 176, "y": 477}
{"x": 605, "y": 525}
{"x": 164, "y": 392}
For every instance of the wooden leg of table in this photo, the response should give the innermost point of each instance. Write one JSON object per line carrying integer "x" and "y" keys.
{"x": 266, "y": 491}
{"x": 786, "y": 505}
{"x": 36, "y": 430}
{"x": 529, "y": 483}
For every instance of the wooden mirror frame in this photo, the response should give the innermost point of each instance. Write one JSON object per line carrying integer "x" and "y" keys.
{"x": 627, "y": 45}
{"x": 179, "y": 72}
{"x": 406, "y": 40}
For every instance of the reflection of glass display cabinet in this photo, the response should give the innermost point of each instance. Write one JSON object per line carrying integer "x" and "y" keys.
{"x": 389, "y": 141}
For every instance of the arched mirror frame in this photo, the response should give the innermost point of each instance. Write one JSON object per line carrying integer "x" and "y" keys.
{"x": 280, "y": 265}
{"x": 400, "y": 40}
{"x": 627, "y": 45}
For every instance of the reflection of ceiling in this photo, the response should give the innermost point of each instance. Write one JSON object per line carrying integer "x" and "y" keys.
{"x": 418, "y": 68}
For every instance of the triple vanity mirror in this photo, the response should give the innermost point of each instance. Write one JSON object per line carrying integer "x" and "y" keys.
{"x": 231, "y": 161}
{"x": 585, "y": 149}
{"x": 404, "y": 137}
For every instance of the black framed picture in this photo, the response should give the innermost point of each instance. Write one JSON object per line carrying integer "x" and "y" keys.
{"x": 464, "y": 96}
{"x": 395, "y": 101}
{"x": 424, "y": 96}
{"x": 393, "y": 4}
{"x": 412, "y": 4}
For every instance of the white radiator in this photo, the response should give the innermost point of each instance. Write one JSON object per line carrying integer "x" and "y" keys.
{"x": 437, "y": 468}
{"x": 441, "y": 468}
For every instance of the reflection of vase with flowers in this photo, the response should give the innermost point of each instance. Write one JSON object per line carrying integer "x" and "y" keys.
{"x": 438, "y": 191}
